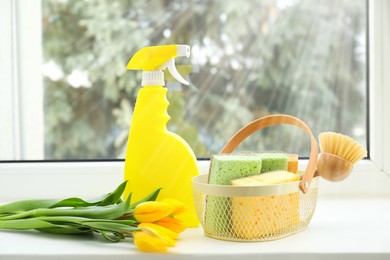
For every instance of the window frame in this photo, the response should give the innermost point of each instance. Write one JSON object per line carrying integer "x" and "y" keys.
{"x": 39, "y": 179}
{"x": 20, "y": 67}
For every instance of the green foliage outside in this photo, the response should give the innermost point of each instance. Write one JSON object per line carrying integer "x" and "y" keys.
{"x": 249, "y": 59}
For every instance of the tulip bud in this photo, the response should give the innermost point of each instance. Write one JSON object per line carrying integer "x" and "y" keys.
{"x": 171, "y": 223}
{"x": 152, "y": 211}
{"x": 148, "y": 242}
{"x": 179, "y": 207}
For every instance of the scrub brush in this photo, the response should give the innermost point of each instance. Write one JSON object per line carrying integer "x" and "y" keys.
{"x": 338, "y": 155}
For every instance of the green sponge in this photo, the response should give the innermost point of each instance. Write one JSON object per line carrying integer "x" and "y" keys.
{"x": 273, "y": 162}
{"x": 223, "y": 169}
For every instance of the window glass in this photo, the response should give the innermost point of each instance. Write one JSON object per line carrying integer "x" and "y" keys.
{"x": 249, "y": 59}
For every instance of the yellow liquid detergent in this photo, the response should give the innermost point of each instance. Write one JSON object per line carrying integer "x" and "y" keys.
{"x": 155, "y": 157}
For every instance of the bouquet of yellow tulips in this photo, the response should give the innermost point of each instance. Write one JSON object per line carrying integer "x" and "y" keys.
{"x": 151, "y": 224}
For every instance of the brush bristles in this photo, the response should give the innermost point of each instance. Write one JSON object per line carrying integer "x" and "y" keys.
{"x": 342, "y": 146}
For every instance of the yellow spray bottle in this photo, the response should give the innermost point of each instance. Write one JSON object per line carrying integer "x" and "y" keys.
{"x": 156, "y": 157}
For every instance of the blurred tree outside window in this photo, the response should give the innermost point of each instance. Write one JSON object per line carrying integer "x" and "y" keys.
{"x": 248, "y": 59}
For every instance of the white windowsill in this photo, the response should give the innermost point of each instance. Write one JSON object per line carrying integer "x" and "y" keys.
{"x": 340, "y": 229}
{"x": 351, "y": 220}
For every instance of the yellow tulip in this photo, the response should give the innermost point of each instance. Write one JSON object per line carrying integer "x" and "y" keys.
{"x": 149, "y": 242}
{"x": 152, "y": 211}
{"x": 173, "y": 224}
{"x": 167, "y": 235}
{"x": 179, "y": 207}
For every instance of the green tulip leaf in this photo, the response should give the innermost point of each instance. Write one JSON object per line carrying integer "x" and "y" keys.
{"x": 115, "y": 196}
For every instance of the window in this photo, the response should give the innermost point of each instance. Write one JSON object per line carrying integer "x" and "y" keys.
{"x": 21, "y": 68}
{"x": 249, "y": 59}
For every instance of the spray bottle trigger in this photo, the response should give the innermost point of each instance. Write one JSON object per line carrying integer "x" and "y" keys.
{"x": 172, "y": 69}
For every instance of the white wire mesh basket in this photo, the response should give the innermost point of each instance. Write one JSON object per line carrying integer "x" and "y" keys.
{"x": 258, "y": 213}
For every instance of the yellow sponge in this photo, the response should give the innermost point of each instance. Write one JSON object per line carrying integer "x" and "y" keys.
{"x": 292, "y": 165}
{"x": 274, "y": 177}
{"x": 258, "y": 217}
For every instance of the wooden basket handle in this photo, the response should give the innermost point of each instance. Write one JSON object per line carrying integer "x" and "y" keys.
{"x": 278, "y": 119}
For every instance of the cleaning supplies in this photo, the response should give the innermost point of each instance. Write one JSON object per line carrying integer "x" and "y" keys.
{"x": 292, "y": 165}
{"x": 273, "y": 162}
{"x": 257, "y": 217}
{"x": 223, "y": 169}
{"x": 265, "y": 211}
{"x": 274, "y": 177}
{"x": 156, "y": 157}
{"x": 338, "y": 155}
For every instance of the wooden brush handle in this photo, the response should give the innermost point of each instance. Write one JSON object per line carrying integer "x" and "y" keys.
{"x": 271, "y": 120}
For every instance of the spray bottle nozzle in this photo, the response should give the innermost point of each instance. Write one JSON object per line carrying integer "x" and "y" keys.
{"x": 172, "y": 69}
{"x": 183, "y": 51}
{"x": 152, "y": 60}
